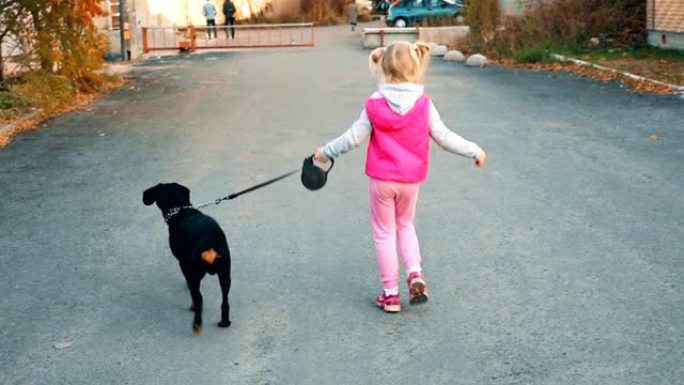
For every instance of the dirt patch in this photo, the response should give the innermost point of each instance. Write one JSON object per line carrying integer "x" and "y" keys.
{"x": 647, "y": 68}
{"x": 668, "y": 71}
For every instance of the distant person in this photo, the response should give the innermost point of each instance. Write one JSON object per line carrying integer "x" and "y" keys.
{"x": 383, "y": 7}
{"x": 400, "y": 119}
{"x": 229, "y": 13}
{"x": 210, "y": 13}
{"x": 353, "y": 14}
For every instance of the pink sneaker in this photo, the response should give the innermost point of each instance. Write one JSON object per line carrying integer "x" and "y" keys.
{"x": 417, "y": 289}
{"x": 389, "y": 303}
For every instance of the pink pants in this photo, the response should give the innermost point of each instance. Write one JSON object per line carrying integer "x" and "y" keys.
{"x": 393, "y": 208}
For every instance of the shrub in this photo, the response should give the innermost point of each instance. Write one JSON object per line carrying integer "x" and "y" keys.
{"x": 557, "y": 22}
{"x": 482, "y": 16}
{"x": 532, "y": 55}
{"x": 324, "y": 11}
{"x": 11, "y": 105}
{"x": 49, "y": 91}
{"x": 11, "y": 101}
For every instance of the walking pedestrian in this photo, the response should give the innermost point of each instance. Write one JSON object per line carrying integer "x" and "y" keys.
{"x": 229, "y": 13}
{"x": 209, "y": 11}
{"x": 353, "y": 14}
{"x": 400, "y": 120}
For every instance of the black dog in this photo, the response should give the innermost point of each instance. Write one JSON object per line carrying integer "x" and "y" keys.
{"x": 198, "y": 243}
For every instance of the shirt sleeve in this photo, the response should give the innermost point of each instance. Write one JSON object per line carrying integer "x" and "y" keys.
{"x": 351, "y": 139}
{"x": 449, "y": 140}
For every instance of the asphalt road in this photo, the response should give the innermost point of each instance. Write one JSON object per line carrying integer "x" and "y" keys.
{"x": 560, "y": 262}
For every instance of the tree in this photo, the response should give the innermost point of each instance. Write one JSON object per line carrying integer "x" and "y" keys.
{"x": 59, "y": 35}
{"x": 11, "y": 13}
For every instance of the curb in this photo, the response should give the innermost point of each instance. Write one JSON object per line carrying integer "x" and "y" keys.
{"x": 9, "y": 126}
{"x": 679, "y": 89}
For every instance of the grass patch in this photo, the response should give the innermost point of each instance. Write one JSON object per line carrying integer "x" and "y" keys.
{"x": 603, "y": 53}
{"x": 537, "y": 54}
{"x": 50, "y": 93}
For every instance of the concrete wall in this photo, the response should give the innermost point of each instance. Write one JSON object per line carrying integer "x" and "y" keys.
{"x": 383, "y": 37}
{"x": 668, "y": 40}
{"x": 453, "y": 37}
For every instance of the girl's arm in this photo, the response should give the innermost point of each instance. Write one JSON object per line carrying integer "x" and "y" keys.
{"x": 450, "y": 141}
{"x": 351, "y": 139}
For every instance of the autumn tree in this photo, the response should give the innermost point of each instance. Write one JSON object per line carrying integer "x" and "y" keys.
{"x": 58, "y": 35}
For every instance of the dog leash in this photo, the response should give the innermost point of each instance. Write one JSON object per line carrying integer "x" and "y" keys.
{"x": 250, "y": 189}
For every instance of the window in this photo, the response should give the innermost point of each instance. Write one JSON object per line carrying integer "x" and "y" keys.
{"x": 114, "y": 14}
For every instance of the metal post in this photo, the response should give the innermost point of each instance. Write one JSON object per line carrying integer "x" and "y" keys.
{"x": 313, "y": 35}
{"x": 121, "y": 30}
{"x": 144, "y": 40}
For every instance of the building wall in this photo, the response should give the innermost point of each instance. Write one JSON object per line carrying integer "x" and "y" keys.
{"x": 665, "y": 23}
{"x": 665, "y": 15}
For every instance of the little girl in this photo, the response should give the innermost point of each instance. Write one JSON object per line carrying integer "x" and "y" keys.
{"x": 400, "y": 119}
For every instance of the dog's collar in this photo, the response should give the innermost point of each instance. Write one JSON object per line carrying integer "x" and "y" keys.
{"x": 175, "y": 211}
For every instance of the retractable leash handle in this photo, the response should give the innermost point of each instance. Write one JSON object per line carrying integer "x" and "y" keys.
{"x": 314, "y": 177}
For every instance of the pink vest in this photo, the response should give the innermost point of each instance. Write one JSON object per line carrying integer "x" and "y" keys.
{"x": 399, "y": 145}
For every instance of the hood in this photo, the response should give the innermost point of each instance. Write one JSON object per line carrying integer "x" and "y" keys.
{"x": 401, "y": 96}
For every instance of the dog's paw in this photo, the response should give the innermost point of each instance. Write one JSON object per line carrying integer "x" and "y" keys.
{"x": 196, "y": 329}
{"x": 224, "y": 324}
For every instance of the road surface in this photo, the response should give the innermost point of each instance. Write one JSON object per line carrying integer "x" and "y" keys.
{"x": 560, "y": 262}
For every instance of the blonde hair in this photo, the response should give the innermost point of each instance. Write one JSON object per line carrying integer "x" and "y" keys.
{"x": 401, "y": 62}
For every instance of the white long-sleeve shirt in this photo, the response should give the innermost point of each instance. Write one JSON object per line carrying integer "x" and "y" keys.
{"x": 209, "y": 11}
{"x": 401, "y": 98}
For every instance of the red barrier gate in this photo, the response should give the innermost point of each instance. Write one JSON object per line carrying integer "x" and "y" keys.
{"x": 222, "y": 37}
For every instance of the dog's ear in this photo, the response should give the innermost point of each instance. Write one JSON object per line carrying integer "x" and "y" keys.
{"x": 183, "y": 190}
{"x": 150, "y": 195}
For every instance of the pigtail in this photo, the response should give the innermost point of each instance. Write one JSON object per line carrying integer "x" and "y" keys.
{"x": 374, "y": 58}
{"x": 423, "y": 52}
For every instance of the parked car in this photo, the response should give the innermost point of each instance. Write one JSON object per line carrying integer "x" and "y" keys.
{"x": 403, "y": 13}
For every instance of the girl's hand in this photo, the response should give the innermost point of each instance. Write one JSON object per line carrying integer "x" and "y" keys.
{"x": 481, "y": 159}
{"x": 319, "y": 157}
